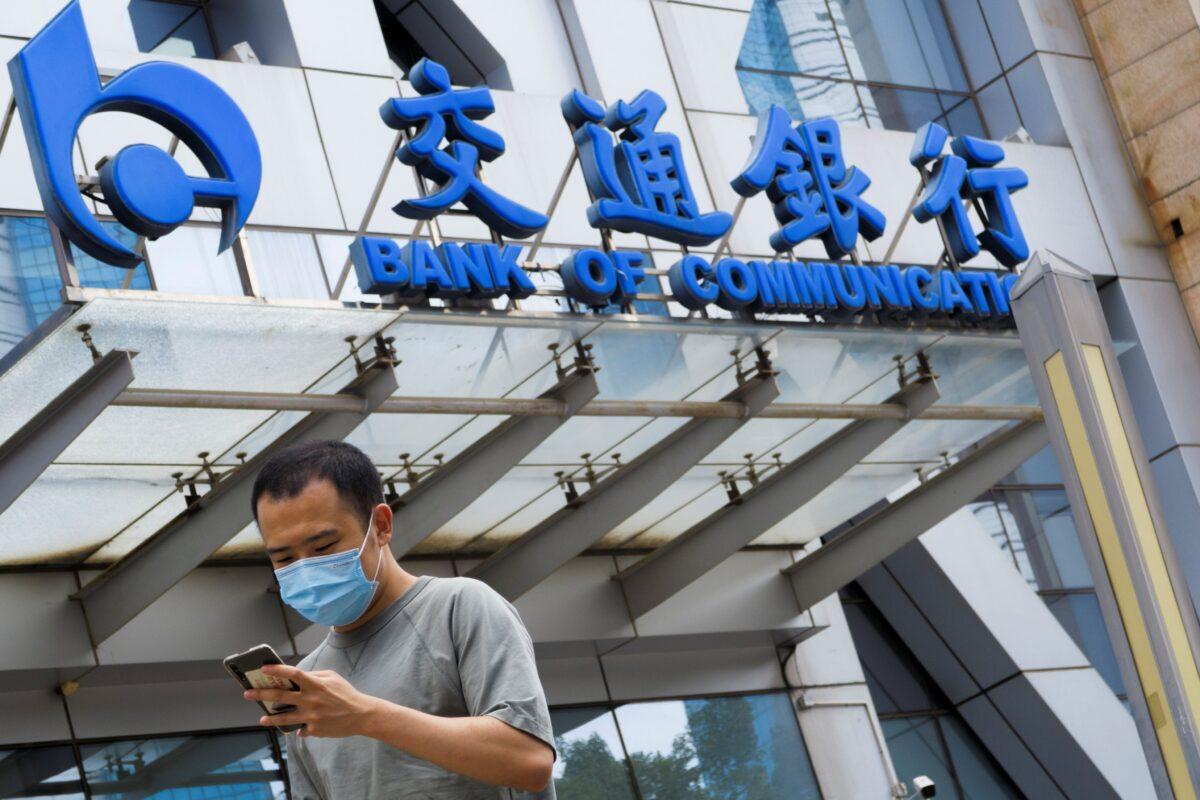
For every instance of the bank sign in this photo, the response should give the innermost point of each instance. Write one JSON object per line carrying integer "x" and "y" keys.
{"x": 634, "y": 173}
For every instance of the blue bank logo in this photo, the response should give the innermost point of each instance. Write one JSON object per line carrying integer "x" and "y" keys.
{"x": 56, "y": 86}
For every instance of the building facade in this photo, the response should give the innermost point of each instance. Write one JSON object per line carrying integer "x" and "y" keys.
{"x": 975, "y": 655}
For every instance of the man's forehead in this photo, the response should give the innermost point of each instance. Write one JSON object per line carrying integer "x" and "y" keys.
{"x": 318, "y": 500}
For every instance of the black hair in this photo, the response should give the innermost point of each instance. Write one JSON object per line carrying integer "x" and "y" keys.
{"x": 350, "y": 470}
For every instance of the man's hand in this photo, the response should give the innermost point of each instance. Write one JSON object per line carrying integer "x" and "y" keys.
{"x": 327, "y": 705}
{"x": 484, "y": 748}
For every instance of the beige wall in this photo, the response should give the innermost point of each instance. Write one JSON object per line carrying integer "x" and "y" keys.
{"x": 1148, "y": 52}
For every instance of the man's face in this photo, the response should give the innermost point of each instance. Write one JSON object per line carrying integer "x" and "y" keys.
{"x": 317, "y": 522}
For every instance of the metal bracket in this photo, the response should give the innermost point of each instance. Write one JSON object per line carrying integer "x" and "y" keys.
{"x": 204, "y": 476}
{"x": 568, "y": 486}
{"x": 763, "y": 368}
{"x": 85, "y": 334}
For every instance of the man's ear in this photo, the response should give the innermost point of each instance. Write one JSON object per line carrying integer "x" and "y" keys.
{"x": 383, "y": 523}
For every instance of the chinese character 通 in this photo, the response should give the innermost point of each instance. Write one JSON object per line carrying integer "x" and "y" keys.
{"x": 969, "y": 172}
{"x": 805, "y": 175}
{"x": 445, "y": 113}
{"x": 639, "y": 185}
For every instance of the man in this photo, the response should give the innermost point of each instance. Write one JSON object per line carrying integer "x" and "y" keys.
{"x": 425, "y": 687}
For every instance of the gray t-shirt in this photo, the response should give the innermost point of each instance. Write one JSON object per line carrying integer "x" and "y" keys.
{"x": 448, "y": 646}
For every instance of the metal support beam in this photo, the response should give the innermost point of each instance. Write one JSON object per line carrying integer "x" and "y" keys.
{"x": 27, "y": 453}
{"x": 446, "y": 491}
{"x": 521, "y": 565}
{"x": 684, "y": 559}
{"x": 837, "y": 563}
{"x": 129, "y": 586}
{"x": 551, "y": 407}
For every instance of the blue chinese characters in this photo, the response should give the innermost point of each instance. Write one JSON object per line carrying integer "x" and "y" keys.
{"x": 805, "y": 175}
{"x": 640, "y": 183}
{"x": 968, "y": 173}
{"x": 442, "y": 112}
{"x": 56, "y": 86}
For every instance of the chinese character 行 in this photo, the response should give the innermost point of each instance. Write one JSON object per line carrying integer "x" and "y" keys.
{"x": 639, "y": 184}
{"x": 805, "y": 175}
{"x": 445, "y": 113}
{"x": 969, "y": 172}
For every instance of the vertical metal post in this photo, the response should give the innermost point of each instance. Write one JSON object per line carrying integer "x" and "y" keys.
{"x": 1146, "y": 604}
{"x": 63, "y": 257}
{"x": 245, "y": 266}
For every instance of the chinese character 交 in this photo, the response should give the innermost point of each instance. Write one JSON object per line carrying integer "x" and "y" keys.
{"x": 442, "y": 112}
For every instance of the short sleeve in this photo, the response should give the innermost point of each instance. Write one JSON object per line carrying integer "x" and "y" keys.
{"x": 300, "y": 781}
{"x": 495, "y": 661}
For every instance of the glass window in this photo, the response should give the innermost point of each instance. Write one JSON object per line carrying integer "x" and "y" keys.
{"x": 187, "y": 262}
{"x": 977, "y": 773}
{"x": 996, "y": 102}
{"x": 904, "y": 42}
{"x": 897, "y": 64}
{"x": 237, "y": 765}
{"x": 591, "y": 761}
{"x": 722, "y": 747}
{"x": 896, "y": 681}
{"x": 40, "y": 773}
{"x": 916, "y": 749}
{"x": 287, "y": 265}
{"x": 171, "y": 28}
{"x": 30, "y": 288}
{"x": 803, "y": 97}
{"x": 1079, "y": 613}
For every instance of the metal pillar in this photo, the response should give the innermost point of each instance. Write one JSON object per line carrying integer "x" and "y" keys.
{"x": 706, "y": 544}
{"x": 824, "y": 571}
{"x": 128, "y": 587}
{"x": 26, "y": 454}
{"x": 522, "y": 564}
{"x": 442, "y": 494}
{"x": 1142, "y": 592}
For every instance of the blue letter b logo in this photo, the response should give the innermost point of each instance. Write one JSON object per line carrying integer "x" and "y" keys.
{"x": 56, "y": 85}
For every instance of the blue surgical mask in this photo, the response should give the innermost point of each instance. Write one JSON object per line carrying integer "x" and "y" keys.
{"x": 329, "y": 590}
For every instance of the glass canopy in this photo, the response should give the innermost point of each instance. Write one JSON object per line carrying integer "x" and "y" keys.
{"x": 116, "y": 485}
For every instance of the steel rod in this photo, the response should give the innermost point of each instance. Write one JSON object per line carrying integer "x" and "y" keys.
{"x": 282, "y": 401}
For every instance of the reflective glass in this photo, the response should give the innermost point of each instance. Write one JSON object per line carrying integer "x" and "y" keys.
{"x": 897, "y": 683}
{"x": 1079, "y": 614}
{"x": 40, "y": 773}
{"x": 962, "y": 117}
{"x": 187, "y": 262}
{"x": 978, "y": 775}
{"x": 1038, "y": 109}
{"x": 902, "y": 42}
{"x": 1010, "y": 34}
{"x": 917, "y": 749}
{"x": 237, "y": 765}
{"x": 169, "y": 28}
{"x": 999, "y": 110}
{"x": 804, "y": 98}
{"x": 978, "y": 55}
{"x": 982, "y": 369}
{"x": 721, "y": 747}
{"x": 333, "y": 249}
{"x": 287, "y": 265}
{"x": 904, "y": 109}
{"x": 855, "y": 491}
{"x": 39, "y": 528}
{"x": 792, "y": 36}
{"x": 30, "y": 288}
{"x": 591, "y": 761}
{"x": 1043, "y": 519}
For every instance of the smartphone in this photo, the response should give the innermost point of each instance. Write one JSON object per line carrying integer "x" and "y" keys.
{"x": 246, "y": 669}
